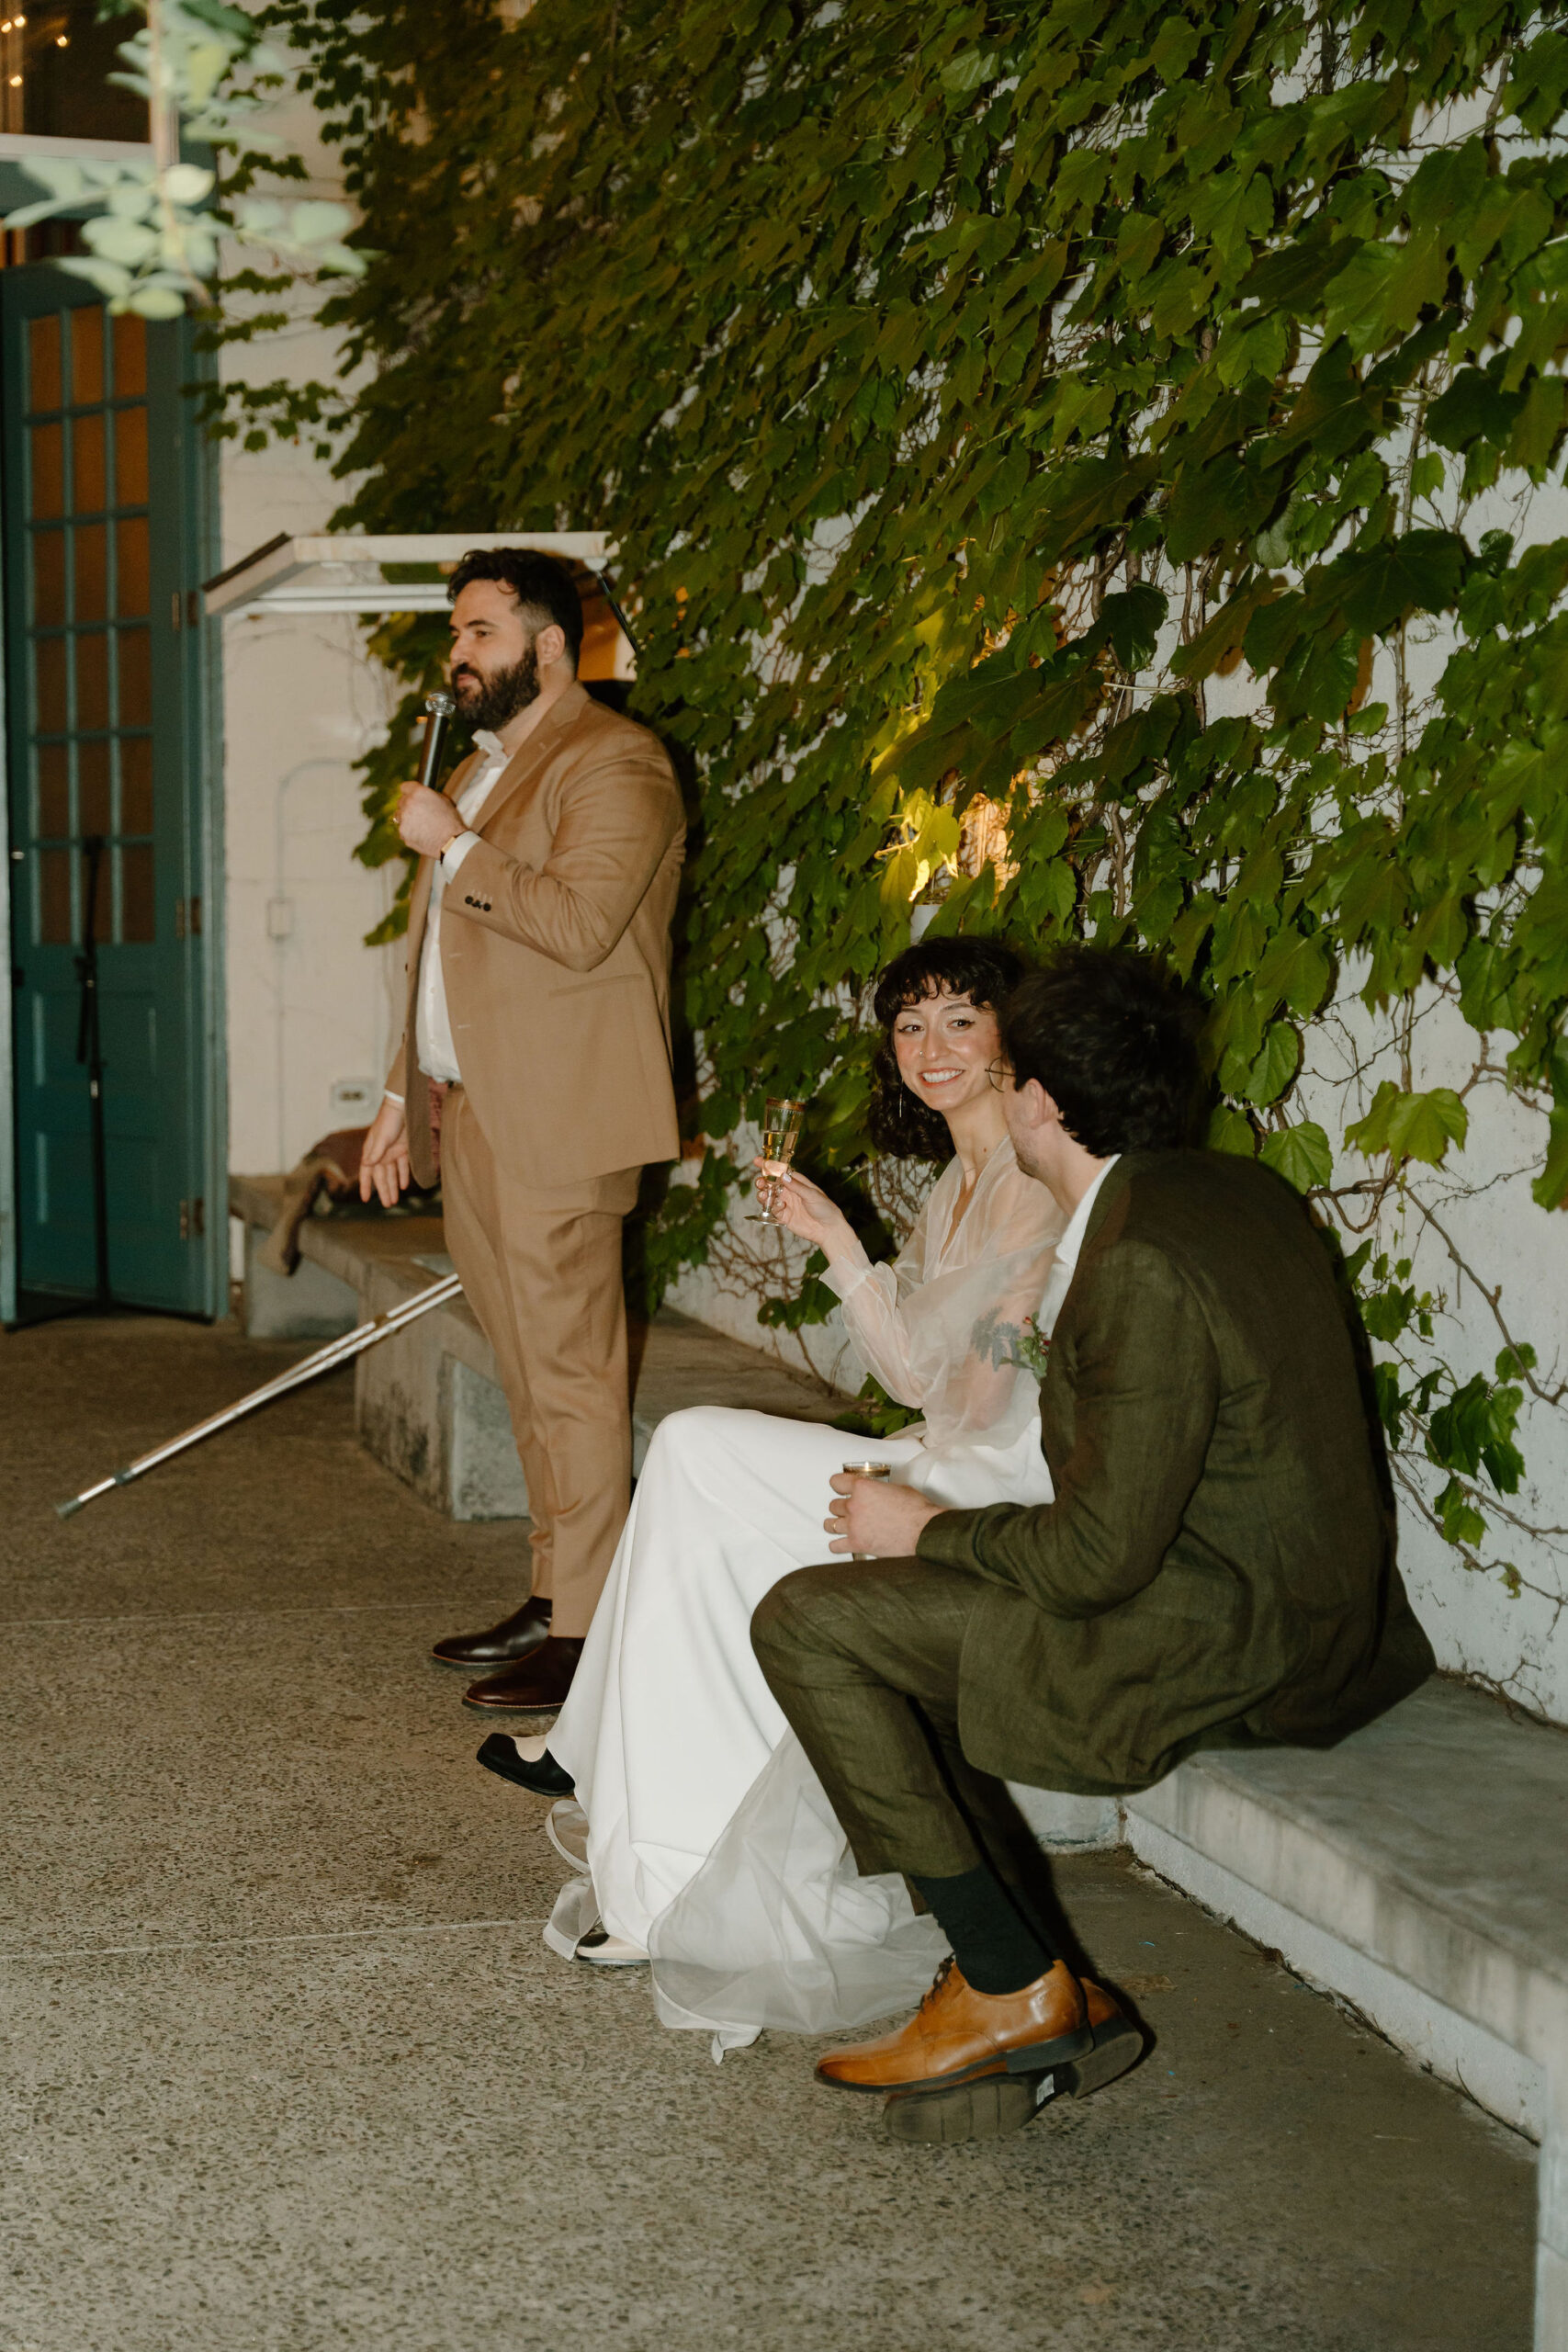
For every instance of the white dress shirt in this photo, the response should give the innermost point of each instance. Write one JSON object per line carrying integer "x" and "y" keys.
{"x": 432, "y": 1024}
{"x": 1059, "y": 1280}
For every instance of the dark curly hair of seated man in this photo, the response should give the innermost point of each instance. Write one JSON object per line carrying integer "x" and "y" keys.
{"x": 1112, "y": 1037}
{"x": 985, "y": 971}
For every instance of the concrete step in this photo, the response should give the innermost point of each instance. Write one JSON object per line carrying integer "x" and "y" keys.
{"x": 1420, "y": 1872}
{"x": 428, "y": 1402}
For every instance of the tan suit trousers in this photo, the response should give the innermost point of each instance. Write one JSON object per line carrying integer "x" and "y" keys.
{"x": 541, "y": 1271}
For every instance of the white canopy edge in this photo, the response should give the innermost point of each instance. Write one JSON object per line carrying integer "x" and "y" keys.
{"x": 15, "y": 146}
{"x": 341, "y": 571}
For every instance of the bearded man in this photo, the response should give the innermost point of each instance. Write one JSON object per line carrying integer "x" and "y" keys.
{"x": 534, "y": 1074}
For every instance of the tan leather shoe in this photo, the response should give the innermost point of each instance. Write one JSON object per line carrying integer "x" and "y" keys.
{"x": 990, "y": 2107}
{"x": 957, "y": 2034}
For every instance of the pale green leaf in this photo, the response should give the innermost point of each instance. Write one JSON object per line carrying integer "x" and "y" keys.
{"x": 967, "y": 70}
{"x": 317, "y": 223}
{"x": 129, "y": 242}
{"x": 187, "y": 183}
{"x": 1410, "y": 1125}
{"x": 1301, "y": 1155}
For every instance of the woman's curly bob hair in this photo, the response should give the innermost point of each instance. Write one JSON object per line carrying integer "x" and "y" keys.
{"x": 982, "y": 970}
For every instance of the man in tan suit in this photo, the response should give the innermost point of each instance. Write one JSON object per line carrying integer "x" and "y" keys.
{"x": 534, "y": 1072}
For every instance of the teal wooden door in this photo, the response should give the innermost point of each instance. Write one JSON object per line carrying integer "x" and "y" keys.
{"x": 103, "y": 541}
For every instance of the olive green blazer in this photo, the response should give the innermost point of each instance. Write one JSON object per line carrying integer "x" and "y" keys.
{"x": 1217, "y": 1567}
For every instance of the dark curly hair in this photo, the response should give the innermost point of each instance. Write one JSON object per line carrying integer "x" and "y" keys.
{"x": 1112, "y": 1037}
{"x": 545, "y": 590}
{"x": 983, "y": 971}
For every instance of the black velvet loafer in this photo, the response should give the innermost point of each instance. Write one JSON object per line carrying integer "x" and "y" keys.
{"x": 543, "y": 1776}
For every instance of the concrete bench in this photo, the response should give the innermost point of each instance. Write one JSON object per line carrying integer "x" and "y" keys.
{"x": 428, "y": 1402}
{"x": 1419, "y": 1871}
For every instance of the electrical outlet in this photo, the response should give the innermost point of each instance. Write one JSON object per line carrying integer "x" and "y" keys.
{"x": 354, "y": 1101}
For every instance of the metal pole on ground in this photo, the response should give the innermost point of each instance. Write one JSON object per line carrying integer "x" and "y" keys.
{"x": 340, "y": 1351}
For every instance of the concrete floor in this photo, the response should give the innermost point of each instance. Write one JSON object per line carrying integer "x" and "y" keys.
{"x": 287, "y": 2066}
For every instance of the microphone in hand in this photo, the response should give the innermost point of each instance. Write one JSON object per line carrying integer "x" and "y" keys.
{"x": 426, "y": 819}
{"x": 438, "y": 709}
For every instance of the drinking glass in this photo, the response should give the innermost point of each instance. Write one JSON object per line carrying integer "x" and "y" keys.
{"x": 865, "y": 1470}
{"x": 781, "y": 1118}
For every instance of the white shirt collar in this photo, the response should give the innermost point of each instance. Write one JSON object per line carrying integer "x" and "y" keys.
{"x": 1071, "y": 1242}
{"x": 1064, "y": 1265}
{"x": 491, "y": 745}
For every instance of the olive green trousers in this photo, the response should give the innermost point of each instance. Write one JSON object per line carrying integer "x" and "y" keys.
{"x": 863, "y": 1655}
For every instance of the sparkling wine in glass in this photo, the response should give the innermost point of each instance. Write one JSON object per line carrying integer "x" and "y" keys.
{"x": 782, "y": 1120}
{"x": 866, "y": 1470}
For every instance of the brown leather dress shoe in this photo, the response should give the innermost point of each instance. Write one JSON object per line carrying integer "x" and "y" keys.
{"x": 536, "y": 1685}
{"x": 990, "y": 2107}
{"x": 502, "y": 1645}
{"x": 957, "y": 2034}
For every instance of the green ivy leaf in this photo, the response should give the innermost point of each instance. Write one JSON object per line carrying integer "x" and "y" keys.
{"x": 1410, "y": 1126}
{"x": 1275, "y": 1068}
{"x": 1231, "y": 1130}
{"x": 1550, "y": 1189}
{"x": 1297, "y": 970}
{"x": 967, "y": 70}
{"x": 1132, "y": 621}
{"x": 1421, "y": 571}
{"x": 1461, "y": 1522}
{"x": 1301, "y": 1155}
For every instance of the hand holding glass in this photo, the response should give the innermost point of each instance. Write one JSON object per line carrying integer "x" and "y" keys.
{"x": 866, "y": 1470}
{"x": 782, "y": 1119}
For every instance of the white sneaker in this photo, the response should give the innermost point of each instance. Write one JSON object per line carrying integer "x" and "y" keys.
{"x": 601, "y": 1949}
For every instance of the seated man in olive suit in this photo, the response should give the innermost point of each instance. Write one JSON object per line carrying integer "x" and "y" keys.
{"x": 1215, "y": 1569}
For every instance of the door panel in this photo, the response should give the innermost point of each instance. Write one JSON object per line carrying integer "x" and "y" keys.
{"x": 104, "y": 681}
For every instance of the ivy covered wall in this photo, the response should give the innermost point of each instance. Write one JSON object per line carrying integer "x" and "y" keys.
{"x": 1093, "y": 468}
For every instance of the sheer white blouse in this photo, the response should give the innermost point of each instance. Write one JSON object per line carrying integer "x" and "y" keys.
{"x": 938, "y": 1325}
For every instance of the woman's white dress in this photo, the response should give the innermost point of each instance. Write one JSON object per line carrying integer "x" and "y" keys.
{"x": 710, "y": 1843}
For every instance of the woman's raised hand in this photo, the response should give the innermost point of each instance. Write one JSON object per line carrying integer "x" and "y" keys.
{"x": 804, "y": 1208}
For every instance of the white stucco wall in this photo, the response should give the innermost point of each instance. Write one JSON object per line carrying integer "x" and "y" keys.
{"x": 308, "y": 1005}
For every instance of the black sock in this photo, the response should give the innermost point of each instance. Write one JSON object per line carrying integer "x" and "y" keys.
{"x": 994, "y": 1945}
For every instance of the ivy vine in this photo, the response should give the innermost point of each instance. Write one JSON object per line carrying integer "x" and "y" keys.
{"x": 1071, "y": 464}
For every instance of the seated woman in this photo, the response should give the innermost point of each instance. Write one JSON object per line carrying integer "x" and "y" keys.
{"x": 669, "y": 1724}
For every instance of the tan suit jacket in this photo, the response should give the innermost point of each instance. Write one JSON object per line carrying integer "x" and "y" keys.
{"x": 555, "y": 949}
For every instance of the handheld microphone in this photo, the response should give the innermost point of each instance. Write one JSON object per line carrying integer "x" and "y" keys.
{"x": 438, "y": 709}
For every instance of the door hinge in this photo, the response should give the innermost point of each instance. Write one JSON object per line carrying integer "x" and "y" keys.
{"x": 176, "y": 607}
{"x": 188, "y": 918}
{"x": 193, "y": 1219}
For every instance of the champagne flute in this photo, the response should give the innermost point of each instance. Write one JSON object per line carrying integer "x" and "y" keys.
{"x": 782, "y": 1120}
{"x": 865, "y": 1470}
